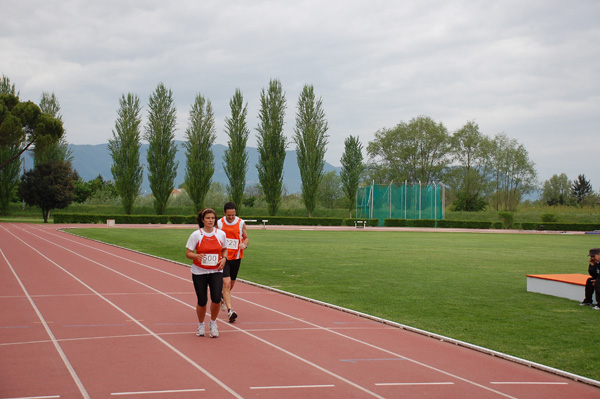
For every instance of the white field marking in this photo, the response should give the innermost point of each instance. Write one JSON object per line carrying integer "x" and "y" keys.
{"x": 294, "y": 386}
{"x": 152, "y": 392}
{"x": 351, "y": 383}
{"x": 49, "y": 332}
{"x": 175, "y": 350}
{"x": 388, "y": 384}
{"x": 528, "y": 383}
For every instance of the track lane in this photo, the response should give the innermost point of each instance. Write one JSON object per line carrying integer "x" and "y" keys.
{"x": 263, "y": 322}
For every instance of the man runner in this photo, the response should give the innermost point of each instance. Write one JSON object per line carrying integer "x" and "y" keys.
{"x": 237, "y": 241}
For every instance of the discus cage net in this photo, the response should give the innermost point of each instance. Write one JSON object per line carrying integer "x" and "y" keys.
{"x": 392, "y": 201}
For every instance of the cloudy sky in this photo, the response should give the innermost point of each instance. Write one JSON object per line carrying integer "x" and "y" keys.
{"x": 529, "y": 69}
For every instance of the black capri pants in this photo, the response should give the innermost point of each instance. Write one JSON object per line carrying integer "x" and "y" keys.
{"x": 213, "y": 281}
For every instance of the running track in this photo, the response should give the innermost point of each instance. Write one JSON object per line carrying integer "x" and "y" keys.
{"x": 79, "y": 319}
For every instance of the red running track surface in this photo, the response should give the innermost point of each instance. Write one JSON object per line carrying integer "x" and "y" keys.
{"x": 80, "y": 319}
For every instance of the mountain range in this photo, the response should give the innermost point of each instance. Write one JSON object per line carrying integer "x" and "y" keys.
{"x": 93, "y": 160}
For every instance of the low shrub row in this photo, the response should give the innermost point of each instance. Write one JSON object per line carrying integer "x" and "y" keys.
{"x": 123, "y": 219}
{"x": 324, "y": 221}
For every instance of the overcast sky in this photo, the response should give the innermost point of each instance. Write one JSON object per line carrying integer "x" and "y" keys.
{"x": 529, "y": 69}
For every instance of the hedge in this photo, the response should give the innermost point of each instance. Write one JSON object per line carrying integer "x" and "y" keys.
{"x": 180, "y": 219}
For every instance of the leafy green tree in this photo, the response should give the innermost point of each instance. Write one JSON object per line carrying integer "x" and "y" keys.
{"x": 417, "y": 151}
{"x": 124, "y": 149}
{"x": 271, "y": 144}
{"x": 310, "y": 136}
{"x": 236, "y": 156}
{"x": 513, "y": 173}
{"x": 200, "y": 166}
{"x": 470, "y": 150}
{"x": 352, "y": 169}
{"x": 330, "y": 194}
{"x": 9, "y": 175}
{"x": 82, "y": 189}
{"x": 160, "y": 133}
{"x": 557, "y": 190}
{"x": 581, "y": 188}
{"x": 23, "y": 124}
{"x": 49, "y": 186}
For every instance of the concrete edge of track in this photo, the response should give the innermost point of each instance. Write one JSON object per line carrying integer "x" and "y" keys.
{"x": 528, "y": 363}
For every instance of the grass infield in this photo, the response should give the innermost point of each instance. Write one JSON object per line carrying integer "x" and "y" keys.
{"x": 467, "y": 286}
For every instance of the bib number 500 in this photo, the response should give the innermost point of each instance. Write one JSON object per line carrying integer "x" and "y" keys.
{"x": 210, "y": 260}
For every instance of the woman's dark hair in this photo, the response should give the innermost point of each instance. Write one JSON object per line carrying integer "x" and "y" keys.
{"x": 202, "y": 214}
{"x": 229, "y": 205}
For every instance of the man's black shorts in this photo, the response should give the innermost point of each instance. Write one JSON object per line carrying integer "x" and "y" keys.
{"x": 232, "y": 268}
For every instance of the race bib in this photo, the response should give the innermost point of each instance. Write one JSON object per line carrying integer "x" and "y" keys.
{"x": 210, "y": 260}
{"x": 232, "y": 243}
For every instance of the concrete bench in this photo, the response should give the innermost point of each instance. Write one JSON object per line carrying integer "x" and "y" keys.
{"x": 360, "y": 222}
{"x": 570, "y": 286}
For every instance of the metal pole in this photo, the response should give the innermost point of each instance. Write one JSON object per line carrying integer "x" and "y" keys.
{"x": 405, "y": 187}
{"x": 420, "y": 200}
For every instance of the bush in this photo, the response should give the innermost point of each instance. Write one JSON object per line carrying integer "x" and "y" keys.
{"x": 548, "y": 218}
{"x": 507, "y": 219}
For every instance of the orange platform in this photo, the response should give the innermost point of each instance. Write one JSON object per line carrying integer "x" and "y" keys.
{"x": 570, "y": 286}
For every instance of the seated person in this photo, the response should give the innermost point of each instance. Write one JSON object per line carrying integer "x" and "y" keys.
{"x": 593, "y": 283}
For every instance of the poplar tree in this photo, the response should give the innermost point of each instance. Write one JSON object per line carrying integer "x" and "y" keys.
{"x": 310, "y": 136}
{"x": 352, "y": 169}
{"x": 236, "y": 156}
{"x": 124, "y": 148}
{"x": 160, "y": 134}
{"x": 200, "y": 165}
{"x": 271, "y": 144}
{"x": 51, "y": 150}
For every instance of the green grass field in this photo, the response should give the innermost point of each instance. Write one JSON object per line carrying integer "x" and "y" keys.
{"x": 468, "y": 286}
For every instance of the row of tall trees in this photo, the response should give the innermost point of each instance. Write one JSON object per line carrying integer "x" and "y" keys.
{"x": 479, "y": 169}
{"x": 310, "y": 137}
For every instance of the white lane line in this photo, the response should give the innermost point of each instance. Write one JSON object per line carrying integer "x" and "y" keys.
{"x": 528, "y": 383}
{"x": 384, "y": 384}
{"x": 157, "y": 392}
{"x": 36, "y": 397}
{"x": 156, "y": 336}
{"x": 306, "y": 361}
{"x": 294, "y": 386}
{"x": 49, "y": 332}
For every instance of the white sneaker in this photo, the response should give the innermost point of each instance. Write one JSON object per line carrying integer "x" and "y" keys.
{"x": 223, "y": 306}
{"x": 200, "y": 331}
{"x": 214, "y": 332}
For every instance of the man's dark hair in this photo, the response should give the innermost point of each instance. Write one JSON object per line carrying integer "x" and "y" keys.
{"x": 229, "y": 205}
